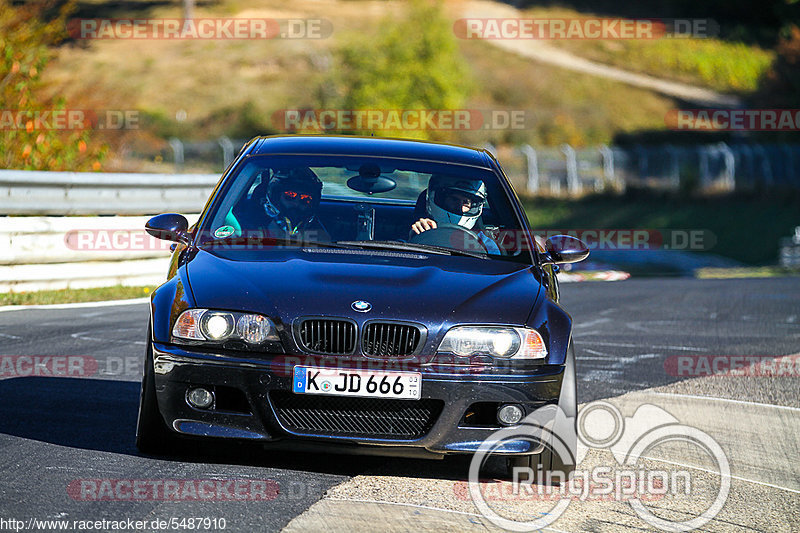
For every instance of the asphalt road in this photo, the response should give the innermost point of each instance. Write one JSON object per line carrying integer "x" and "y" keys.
{"x": 638, "y": 343}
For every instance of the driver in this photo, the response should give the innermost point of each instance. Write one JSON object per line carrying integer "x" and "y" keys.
{"x": 455, "y": 201}
{"x": 291, "y": 203}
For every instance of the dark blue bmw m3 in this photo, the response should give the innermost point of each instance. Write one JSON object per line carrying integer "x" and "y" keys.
{"x": 361, "y": 295}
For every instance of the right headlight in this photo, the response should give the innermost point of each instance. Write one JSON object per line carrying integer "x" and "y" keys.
{"x": 208, "y": 325}
{"x": 500, "y": 342}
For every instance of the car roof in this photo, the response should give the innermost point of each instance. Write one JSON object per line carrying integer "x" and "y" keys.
{"x": 370, "y": 146}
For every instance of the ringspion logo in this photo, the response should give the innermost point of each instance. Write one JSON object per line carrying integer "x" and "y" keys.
{"x": 628, "y": 478}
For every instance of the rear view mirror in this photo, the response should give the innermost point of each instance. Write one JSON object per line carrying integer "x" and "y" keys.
{"x": 169, "y": 227}
{"x": 564, "y": 249}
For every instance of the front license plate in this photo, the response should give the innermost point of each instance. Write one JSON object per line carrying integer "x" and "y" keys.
{"x": 366, "y": 383}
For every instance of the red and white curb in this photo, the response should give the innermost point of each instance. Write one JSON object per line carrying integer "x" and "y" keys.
{"x": 603, "y": 275}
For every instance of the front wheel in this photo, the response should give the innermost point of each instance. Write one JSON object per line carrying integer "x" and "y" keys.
{"x": 153, "y": 437}
{"x": 549, "y": 466}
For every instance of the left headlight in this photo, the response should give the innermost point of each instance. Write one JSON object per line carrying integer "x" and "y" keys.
{"x": 496, "y": 341}
{"x": 208, "y": 325}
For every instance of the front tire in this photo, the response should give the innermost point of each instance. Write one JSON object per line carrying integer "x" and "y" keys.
{"x": 153, "y": 437}
{"x": 548, "y": 466}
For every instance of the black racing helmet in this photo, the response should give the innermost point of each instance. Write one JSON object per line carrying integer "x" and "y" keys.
{"x": 293, "y": 195}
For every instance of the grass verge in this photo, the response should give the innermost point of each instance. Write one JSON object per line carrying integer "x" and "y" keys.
{"x": 74, "y": 295}
{"x": 752, "y": 272}
{"x": 744, "y": 229}
{"x": 708, "y": 62}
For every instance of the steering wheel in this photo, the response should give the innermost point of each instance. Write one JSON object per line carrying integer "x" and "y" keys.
{"x": 450, "y": 236}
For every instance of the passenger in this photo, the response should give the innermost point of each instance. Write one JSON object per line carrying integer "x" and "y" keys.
{"x": 455, "y": 201}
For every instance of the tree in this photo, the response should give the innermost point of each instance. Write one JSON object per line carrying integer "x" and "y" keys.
{"x": 414, "y": 64}
{"x": 27, "y": 34}
{"x": 781, "y": 84}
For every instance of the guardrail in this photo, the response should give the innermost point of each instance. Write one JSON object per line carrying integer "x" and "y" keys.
{"x": 40, "y": 253}
{"x": 27, "y": 192}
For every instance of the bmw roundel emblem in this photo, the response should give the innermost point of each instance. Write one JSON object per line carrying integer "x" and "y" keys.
{"x": 361, "y": 306}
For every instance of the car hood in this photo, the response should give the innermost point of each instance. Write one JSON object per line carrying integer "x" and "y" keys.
{"x": 421, "y": 288}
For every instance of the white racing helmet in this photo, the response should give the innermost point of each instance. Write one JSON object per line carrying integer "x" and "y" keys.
{"x": 443, "y": 210}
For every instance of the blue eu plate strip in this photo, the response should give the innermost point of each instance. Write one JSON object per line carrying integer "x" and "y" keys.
{"x": 299, "y": 381}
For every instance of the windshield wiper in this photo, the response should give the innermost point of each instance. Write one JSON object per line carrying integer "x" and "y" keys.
{"x": 268, "y": 242}
{"x": 407, "y": 246}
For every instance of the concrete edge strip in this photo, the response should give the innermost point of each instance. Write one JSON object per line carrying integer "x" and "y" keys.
{"x": 714, "y": 398}
{"x": 417, "y": 506}
{"x": 403, "y": 504}
{"x": 106, "y": 303}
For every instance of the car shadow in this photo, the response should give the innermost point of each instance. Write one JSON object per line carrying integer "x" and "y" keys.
{"x": 100, "y": 415}
{"x": 92, "y": 414}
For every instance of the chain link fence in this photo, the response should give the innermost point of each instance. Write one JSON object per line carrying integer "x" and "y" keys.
{"x": 568, "y": 171}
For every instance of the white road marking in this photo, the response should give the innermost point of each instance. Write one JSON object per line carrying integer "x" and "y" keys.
{"x": 595, "y": 352}
{"x": 616, "y": 366}
{"x": 592, "y": 323}
{"x": 81, "y": 335}
{"x": 629, "y": 345}
{"x": 107, "y": 303}
{"x": 592, "y": 375}
{"x": 675, "y": 463}
{"x": 6, "y": 336}
{"x": 716, "y": 399}
{"x": 359, "y": 500}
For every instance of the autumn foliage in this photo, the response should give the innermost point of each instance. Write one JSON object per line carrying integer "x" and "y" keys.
{"x": 28, "y": 34}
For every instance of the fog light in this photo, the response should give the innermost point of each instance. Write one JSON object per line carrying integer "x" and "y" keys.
{"x": 508, "y": 415}
{"x": 200, "y": 398}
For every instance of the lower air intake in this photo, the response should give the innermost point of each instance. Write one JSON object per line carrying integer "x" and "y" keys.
{"x": 356, "y": 417}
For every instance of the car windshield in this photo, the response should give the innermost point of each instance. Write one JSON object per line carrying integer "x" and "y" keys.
{"x": 365, "y": 202}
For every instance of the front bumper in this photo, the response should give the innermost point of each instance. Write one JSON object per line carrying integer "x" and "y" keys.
{"x": 259, "y": 382}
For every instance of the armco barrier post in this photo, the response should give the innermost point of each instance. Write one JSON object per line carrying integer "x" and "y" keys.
{"x": 532, "y": 166}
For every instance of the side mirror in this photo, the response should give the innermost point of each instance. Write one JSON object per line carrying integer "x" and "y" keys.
{"x": 564, "y": 249}
{"x": 169, "y": 227}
